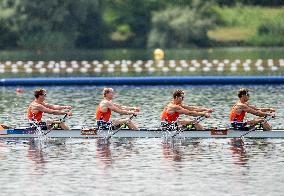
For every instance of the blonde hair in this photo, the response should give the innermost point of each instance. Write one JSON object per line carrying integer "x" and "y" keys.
{"x": 106, "y": 91}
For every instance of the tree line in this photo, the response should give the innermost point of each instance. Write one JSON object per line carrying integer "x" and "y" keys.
{"x": 92, "y": 24}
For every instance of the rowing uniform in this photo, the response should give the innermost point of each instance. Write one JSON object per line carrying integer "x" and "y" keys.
{"x": 102, "y": 118}
{"x": 35, "y": 118}
{"x": 169, "y": 121}
{"x": 236, "y": 120}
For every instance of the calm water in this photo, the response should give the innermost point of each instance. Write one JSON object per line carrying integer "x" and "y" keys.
{"x": 142, "y": 166}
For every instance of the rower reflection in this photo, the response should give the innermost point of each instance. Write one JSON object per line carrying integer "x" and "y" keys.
{"x": 237, "y": 147}
{"x": 103, "y": 151}
{"x": 171, "y": 151}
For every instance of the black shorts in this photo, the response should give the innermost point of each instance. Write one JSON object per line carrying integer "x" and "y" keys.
{"x": 169, "y": 126}
{"x": 242, "y": 126}
{"x": 104, "y": 125}
{"x": 41, "y": 125}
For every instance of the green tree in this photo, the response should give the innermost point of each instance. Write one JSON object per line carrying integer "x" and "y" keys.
{"x": 181, "y": 26}
{"x": 52, "y": 24}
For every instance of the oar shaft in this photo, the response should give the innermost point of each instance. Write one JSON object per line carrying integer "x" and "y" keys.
{"x": 113, "y": 133}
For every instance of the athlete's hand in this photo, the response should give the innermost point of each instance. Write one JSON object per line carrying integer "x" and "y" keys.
{"x": 136, "y": 109}
{"x": 68, "y": 107}
{"x": 207, "y": 115}
{"x": 69, "y": 113}
{"x": 210, "y": 110}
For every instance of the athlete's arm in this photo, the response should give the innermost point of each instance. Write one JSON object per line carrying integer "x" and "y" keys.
{"x": 262, "y": 109}
{"x": 57, "y": 107}
{"x": 250, "y": 110}
{"x": 50, "y": 111}
{"x": 181, "y": 110}
{"x": 197, "y": 109}
{"x": 115, "y": 108}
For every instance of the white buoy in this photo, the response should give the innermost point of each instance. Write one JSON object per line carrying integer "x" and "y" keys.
{"x": 29, "y": 70}
{"x": 75, "y": 65}
{"x": 83, "y": 70}
{"x": 209, "y": 65}
{"x": 117, "y": 62}
{"x": 184, "y": 64}
{"x": 192, "y": 69}
{"x": 87, "y": 66}
{"x": 99, "y": 66}
{"x": 14, "y": 70}
{"x": 193, "y": 61}
{"x": 8, "y": 62}
{"x": 110, "y": 69}
{"x": 220, "y": 68}
{"x": 140, "y": 62}
{"x": 97, "y": 70}
{"x": 274, "y": 68}
{"x": 178, "y": 69}
{"x": 84, "y": 62}
{"x": 38, "y": 66}
{"x": 19, "y": 62}
{"x": 161, "y": 64}
{"x": 260, "y": 68}
{"x": 165, "y": 69}
{"x": 42, "y": 70}
{"x": 56, "y": 70}
{"x": 247, "y": 68}
{"x": 151, "y": 69}
{"x": 215, "y": 61}
{"x": 204, "y": 61}
{"x": 138, "y": 69}
{"x": 106, "y": 62}
{"x": 69, "y": 70}
{"x": 148, "y": 65}
{"x": 197, "y": 65}
{"x": 124, "y": 69}
{"x": 172, "y": 64}
{"x": 226, "y": 61}
{"x": 95, "y": 62}
{"x": 206, "y": 69}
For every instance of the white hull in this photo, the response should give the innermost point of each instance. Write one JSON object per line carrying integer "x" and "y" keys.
{"x": 143, "y": 133}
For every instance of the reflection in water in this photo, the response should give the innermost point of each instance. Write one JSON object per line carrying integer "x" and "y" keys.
{"x": 35, "y": 153}
{"x": 103, "y": 151}
{"x": 239, "y": 154}
{"x": 171, "y": 150}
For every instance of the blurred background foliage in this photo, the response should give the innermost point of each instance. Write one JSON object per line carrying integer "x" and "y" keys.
{"x": 93, "y": 24}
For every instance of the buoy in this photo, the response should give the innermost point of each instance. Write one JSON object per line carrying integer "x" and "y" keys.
{"x": 159, "y": 54}
{"x": 18, "y": 90}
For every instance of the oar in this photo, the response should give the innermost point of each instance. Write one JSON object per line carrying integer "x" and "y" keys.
{"x": 255, "y": 127}
{"x": 113, "y": 133}
{"x": 197, "y": 120}
{"x": 60, "y": 121}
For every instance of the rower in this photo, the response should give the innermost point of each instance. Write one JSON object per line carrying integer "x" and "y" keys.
{"x": 105, "y": 108}
{"x": 172, "y": 111}
{"x": 242, "y": 107}
{"x": 39, "y": 106}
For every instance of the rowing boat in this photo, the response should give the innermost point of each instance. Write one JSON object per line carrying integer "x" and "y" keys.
{"x": 142, "y": 133}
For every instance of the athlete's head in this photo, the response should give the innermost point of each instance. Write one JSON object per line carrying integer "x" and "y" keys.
{"x": 40, "y": 93}
{"x": 178, "y": 95}
{"x": 108, "y": 93}
{"x": 243, "y": 93}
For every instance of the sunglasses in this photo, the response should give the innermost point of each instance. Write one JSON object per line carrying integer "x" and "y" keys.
{"x": 43, "y": 95}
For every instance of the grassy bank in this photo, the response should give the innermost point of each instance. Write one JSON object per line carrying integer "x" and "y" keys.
{"x": 257, "y": 26}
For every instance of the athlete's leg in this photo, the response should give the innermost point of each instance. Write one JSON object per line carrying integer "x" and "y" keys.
{"x": 128, "y": 122}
